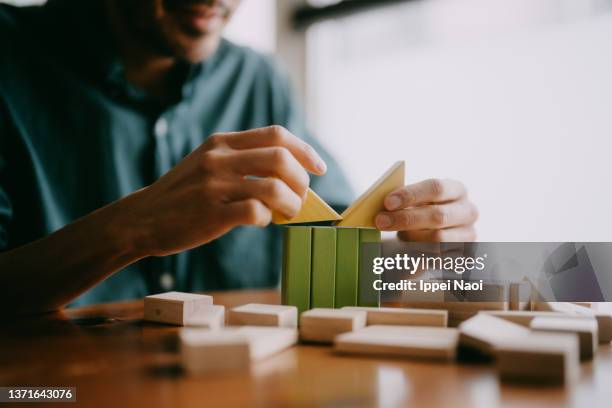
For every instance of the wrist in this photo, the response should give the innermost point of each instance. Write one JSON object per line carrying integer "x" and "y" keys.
{"x": 126, "y": 228}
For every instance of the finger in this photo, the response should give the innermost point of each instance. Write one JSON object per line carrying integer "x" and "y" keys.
{"x": 458, "y": 234}
{"x": 435, "y": 216}
{"x": 273, "y": 192}
{"x": 268, "y": 162}
{"x": 425, "y": 192}
{"x": 278, "y": 136}
{"x": 248, "y": 212}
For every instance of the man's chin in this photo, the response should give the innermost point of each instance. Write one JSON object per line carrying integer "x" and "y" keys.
{"x": 195, "y": 50}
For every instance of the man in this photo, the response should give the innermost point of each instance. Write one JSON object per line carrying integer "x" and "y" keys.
{"x": 106, "y": 164}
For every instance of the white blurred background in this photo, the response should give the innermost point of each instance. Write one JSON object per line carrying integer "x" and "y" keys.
{"x": 513, "y": 97}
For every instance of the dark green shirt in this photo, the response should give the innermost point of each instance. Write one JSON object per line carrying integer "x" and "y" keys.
{"x": 74, "y": 136}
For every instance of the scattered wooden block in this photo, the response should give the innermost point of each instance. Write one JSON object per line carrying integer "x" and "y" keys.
{"x": 295, "y": 280}
{"x": 362, "y": 212}
{"x": 175, "y": 307}
{"x": 538, "y": 357}
{"x": 519, "y": 295}
{"x": 522, "y": 317}
{"x": 403, "y": 317}
{"x": 484, "y": 332}
{"x": 369, "y": 248}
{"x": 322, "y": 325}
{"x": 347, "y": 266}
{"x": 314, "y": 209}
{"x": 437, "y": 343}
{"x": 586, "y": 329}
{"x": 604, "y": 319}
{"x": 458, "y": 312}
{"x": 205, "y": 351}
{"x": 323, "y": 276}
{"x": 254, "y": 314}
{"x": 210, "y": 317}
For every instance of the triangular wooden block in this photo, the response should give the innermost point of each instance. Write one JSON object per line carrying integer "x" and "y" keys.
{"x": 314, "y": 209}
{"x": 362, "y": 212}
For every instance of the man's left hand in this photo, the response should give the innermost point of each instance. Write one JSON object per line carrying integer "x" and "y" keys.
{"x": 430, "y": 211}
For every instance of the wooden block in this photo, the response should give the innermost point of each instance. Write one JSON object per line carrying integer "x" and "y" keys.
{"x": 456, "y": 318}
{"x": 437, "y": 343}
{"x": 210, "y": 317}
{"x": 174, "y": 307}
{"x": 347, "y": 266}
{"x": 403, "y": 317}
{"x": 466, "y": 307}
{"x": 254, "y": 314}
{"x": 367, "y": 295}
{"x": 205, "y": 351}
{"x": 314, "y": 209}
{"x": 604, "y": 319}
{"x": 209, "y": 351}
{"x": 323, "y": 275}
{"x": 484, "y": 332}
{"x": 538, "y": 358}
{"x": 362, "y": 212}
{"x": 522, "y": 317}
{"x": 322, "y": 325}
{"x": 266, "y": 341}
{"x": 586, "y": 329}
{"x": 295, "y": 281}
{"x": 519, "y": 295}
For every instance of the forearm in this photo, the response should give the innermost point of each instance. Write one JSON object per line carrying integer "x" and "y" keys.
{"x": 47, "y": 274}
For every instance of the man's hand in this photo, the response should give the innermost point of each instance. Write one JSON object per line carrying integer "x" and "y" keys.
{"x": 233, "y": 179}
{"x": 430, "y": 211}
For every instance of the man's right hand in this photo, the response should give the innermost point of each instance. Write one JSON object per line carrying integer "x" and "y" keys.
{"x": 232, "y": 179}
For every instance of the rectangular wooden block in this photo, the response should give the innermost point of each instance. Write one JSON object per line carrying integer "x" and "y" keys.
{"x": 586, "y": 329}
{"x": 522, "y": 317}
{"x": 210, "y": 351}
{"x": 519, "y": 295}
{"x": 174, "y": 307}
{"x": 484, "y": 332}
{"x": 347, "y": 266}
{"x": 437, "y": 343}
{"x": 604, "y": 319}
{"x": 295, "y": 281}
{"x": 323, "y": 276}
{"x": 538, "y": 358}
{"x": 266, "y": 341}
{"x": 210, "y": 317}
{"x": 403, "y": 317}
{"x": 322, "y": 325}
{"x": 367, "y": 295}
{"x": 254, "y": 314}
{"x": 204, "y": 351}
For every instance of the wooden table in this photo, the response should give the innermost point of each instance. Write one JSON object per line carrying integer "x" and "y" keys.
{"x": 115, "y": 359}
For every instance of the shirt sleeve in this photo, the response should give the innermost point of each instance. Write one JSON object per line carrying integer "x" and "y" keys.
{"x": 333, "y": 187}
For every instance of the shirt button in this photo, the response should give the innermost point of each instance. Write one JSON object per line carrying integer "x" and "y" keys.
{"x": 166, "y": 281}
{"x": 161, "y": 128}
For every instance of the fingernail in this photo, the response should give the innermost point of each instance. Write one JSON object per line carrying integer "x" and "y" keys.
{"x": 384, "y": 221}
{"x": 321, "y": 166}
{"x": 393, "y": 202}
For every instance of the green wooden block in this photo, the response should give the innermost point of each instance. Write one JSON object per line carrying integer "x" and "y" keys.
{"x": 347, "y": 266}
{"x": 295, "y": 279}
{"x": 369, "y": 248}
{"x": 323, "y": 278}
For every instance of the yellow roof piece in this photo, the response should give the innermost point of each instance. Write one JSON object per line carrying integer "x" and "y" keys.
{"x": 362, "y": 212}
{"x": 314, "y": 209}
